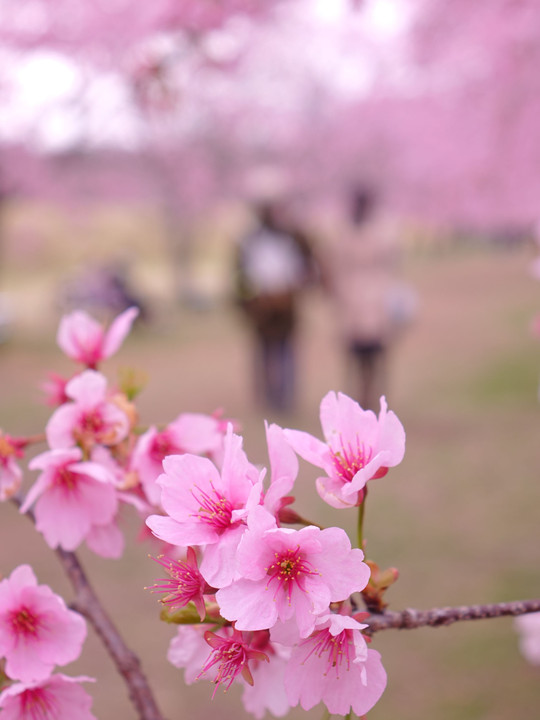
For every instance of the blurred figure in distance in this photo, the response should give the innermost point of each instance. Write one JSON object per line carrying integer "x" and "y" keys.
{"x": 274, "y": 263}
{"x": 371, "y": 304}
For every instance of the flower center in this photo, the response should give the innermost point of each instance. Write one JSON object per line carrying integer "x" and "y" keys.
{"x": 162, "y": 446}
{"x": 233, "y": 656}
{"x": 337, "y": 649}
{"x": 184, "y": 583}
{"x": 65, "y": 479}
{"x": 38, "y": 704}
{"x": 289, "y": 568}
{"x": 92, "y": 423}
{"x": 349, "y": 459}
{"x": 24, "y": 622}
{"x": 215, "y": 510}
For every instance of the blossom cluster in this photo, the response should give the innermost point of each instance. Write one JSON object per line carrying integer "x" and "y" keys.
{"x": 38, "y": 632}
{"x": 279, "y": 600}
{"x": 96, "y": 459}
{"x": 260, "y": 595}
{"x": 273, "y": 604}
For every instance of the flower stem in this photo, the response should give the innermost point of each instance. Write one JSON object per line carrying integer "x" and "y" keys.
{"x": 360, "y": 526}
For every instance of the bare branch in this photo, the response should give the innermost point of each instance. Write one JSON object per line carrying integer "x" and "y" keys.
{"x": 410, "y": 618}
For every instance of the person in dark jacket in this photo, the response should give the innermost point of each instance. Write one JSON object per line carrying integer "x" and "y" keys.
{"x": 274, "y": 264}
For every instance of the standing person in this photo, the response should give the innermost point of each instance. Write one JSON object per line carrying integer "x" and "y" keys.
{"x": 361, "y": 275}
{"x": 274, "y": 263}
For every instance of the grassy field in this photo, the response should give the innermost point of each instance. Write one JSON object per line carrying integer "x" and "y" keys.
{"x": 459, "y": 518}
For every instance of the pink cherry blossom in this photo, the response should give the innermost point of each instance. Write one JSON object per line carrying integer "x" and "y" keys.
{"x": 189, "y": 650}
{"x": 268, "y": 690}
{"x": 72, "y": 497}
{"x": 208, "y": 508}
{"x": 106, "y": 540}
{"x": 231, "y": 655}
{"x": 37, "y": 631}
{"x": 55, "y": 389}
{"x": 10, "y": 472}
{"x": 334, "y": 665}
{"x": 283, "y": 470}
{"x": 57, "y": 697}
{"x": 93, "y": 417}
{"x": 85, "y": 340}
{"x": 190, "y": 433}
{"x": 290, "y": 574}
{"x": 528, "y": 627}
{"x": 185, "y": 583}
{"x": 359, "y": 447}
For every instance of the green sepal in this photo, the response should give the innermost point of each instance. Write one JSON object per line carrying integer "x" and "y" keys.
{"x": 187, "y": 615}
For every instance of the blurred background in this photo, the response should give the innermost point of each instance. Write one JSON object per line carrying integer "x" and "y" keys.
{"x": 145, "y": 148}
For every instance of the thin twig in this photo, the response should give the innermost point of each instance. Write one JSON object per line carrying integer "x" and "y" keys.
{"x": 410, "y": 618}
{"x": 88, "y": 604}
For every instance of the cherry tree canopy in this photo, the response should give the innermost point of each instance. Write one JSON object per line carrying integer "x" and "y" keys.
{"x": 434, "y": 103}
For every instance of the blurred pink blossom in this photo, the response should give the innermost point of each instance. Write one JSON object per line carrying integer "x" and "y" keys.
{"x": 528, "y": 627}
{"x": 85, "y": 340}
{"x": 55, "y": 390}
{"x": 57, "y": 697}
{"x": 37, "y": 631}
{"x": 92, "y": 418}
{"x": 190, "y": 433}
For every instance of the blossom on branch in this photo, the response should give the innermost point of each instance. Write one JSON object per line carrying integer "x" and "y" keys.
{"x": 268, "y": 690}
{"x": 335, "y": 666}
{"x": 208, "y": 508}
{"x": 190, "y": 433}
{"x": 230, "y": 655}
{"x": 290, "y": 574}
{"x": 283, "y": 471}
{"x": 37, "y": 631}
{"x": 55, "y": 389}
{"x": 72, "y": 497}
{"x": 249, "y": 658}
{"x": 185, "y": 583}
{"x": 359, "y": 447}
{"x": 93, "y": 417}
{"x": 58, "y": 697}
{"x": 85, "y": 340}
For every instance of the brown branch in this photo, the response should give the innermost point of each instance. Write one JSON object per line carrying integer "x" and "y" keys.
{"x": 88, "y": 604}
{"x": 409, "y": 619}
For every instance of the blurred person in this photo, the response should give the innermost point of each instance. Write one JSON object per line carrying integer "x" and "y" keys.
{"x": 361, "y": 273}
{"x": 274, "y": 263}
